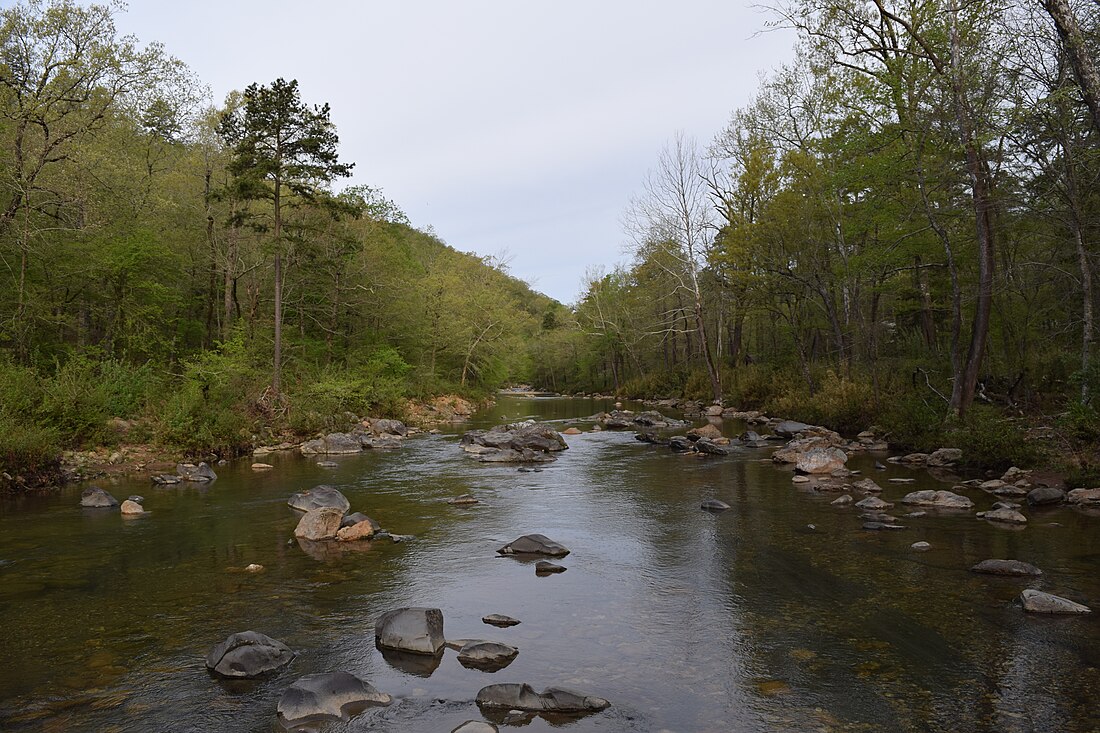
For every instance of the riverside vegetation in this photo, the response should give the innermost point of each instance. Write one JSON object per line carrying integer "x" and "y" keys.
{"x": 896, "y": 231}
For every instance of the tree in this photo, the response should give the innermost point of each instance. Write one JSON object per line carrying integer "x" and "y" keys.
{"x": 281, "y": 147}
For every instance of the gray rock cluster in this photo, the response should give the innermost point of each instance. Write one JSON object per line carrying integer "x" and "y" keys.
{"x": 525, "y": 442}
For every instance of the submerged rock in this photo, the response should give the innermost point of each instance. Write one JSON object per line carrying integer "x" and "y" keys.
{"x": 319, "y": 524}
{"x": 1006, "y": 516}
{"x": 463, "y": 500}
{"x": 329, "y": 695}
{"x": 1005, "y": 567}
{"x": 1035, "y": 601}
{"x": 534, "y": 544}
{"x": 553, "y": 699}
{"x": 545, "y": 567}
{"x": 476, "y": 726}
{"x": 319, "y": 497}
{"x": 714, "y": 505}
{"x": 94, "y": 497}
{"x": 497, "y": 619}
{"x": 248, "y": 654}
{"x": 416, "y": 630}
{"x": 920, "y": 547}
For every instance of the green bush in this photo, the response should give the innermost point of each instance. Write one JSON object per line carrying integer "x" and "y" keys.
{"x": 376, "y": 384}
{"x": 989, "y": 440}
{"x": 912, "y": 422}
{"x": 25, "y": 446}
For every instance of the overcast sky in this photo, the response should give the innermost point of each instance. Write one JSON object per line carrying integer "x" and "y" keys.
{"x": 509, "y": 126}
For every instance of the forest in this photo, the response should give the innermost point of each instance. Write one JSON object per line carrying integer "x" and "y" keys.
{"x": 897, "y": 229}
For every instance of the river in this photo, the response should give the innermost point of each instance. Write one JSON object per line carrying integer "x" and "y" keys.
{"x": 749, "y": 620}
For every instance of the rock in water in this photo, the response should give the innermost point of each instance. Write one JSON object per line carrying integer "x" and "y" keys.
{"x": 132, "y": 508}
{"x": 497, "y": 619}
{"x": 358, "y": 531}
{"x": 790, "y": 428}
{"x": 1035, "y": 601}
{"x": 920, "y": 547}
{"x": 488, "y": 656}
{"x": 464, "y": 499}
{"x": 542, "y": 567}
{"x": 553, "y": 699}
{"x": 96, "y": 498}
{"x": 1005, "y": 567}
{"x": 319, "y": 524}
{"x": 416, "y": 630}
{"x": 335, "y": 443}
{"x": 1007, "y": 516}
{"x": 319, "y": 497}
{"x": 873, "y": 503}
{"x": 1045, "y": 495}
{"x": 329, "y": 695}
{"x": 248, "y": 654}
{"x": 534, "y": 544}
{"x": 940, "y": 499}
{"x": 476, "y": 726}
{"x": 714, "y": 505}
{"x": 821, "y": 460}
{"x": 191, "y": 472}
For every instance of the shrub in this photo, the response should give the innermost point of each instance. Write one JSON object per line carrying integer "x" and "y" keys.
{"x": 377, "y": 383}
{"x": 913, "y": 422}
{"x": 26, "y": 447}
{"x": 989, "y": 440}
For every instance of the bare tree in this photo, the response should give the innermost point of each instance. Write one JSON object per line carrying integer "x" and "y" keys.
{"x": 674, "y": 214}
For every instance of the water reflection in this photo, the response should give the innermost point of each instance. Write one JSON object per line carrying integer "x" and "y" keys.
{"x": 685, "y": 620}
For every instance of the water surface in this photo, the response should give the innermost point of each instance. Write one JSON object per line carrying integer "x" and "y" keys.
{"x": 745, "y": 621}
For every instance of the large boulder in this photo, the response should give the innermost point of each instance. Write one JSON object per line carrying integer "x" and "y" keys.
{"x": 1045, "y": 495}
{"x": 1005, "y": 567}
{"x": 330, "y": 695}
{"x": 534, "y": 544}
{"x": 794, "y": 450}
{"x": 248, "y": 654}
{"x": 319, "y": 524}
{"x": 94, "y": 497}
{"x": 521, "y": 436}
{"x": 1035, "y": 601}
{"x": 940, "y": 499}
{"x": 415, "y": 630}
{"x": 199, "y": 473}
{"x": 319, "y": 497}
{"x": 332, "y": 444}
{"x": 944, "y": 457}
{"x": 821, "y": 460}
{"x": 488, "y": 656}
{"x": 385, "y": 426}
{"x": 551, "y": 700}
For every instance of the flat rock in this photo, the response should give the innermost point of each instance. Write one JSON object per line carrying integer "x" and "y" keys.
{"x": 880, "y": 526}
{"x": 94, "y": 497}
{"x": 1035, "y": 601}
{"x": 544, "y": 567}
{"x": 534, "y": 544}
{"x": 714, "y": 505}
{"x": 553, "y": 699}
{"x": 1005, "y": 567}
{"x": 790, "y": 428}
{"x": 920, "y": 547}
{"x": 939, "y": 499}
{"x": 325, "y": 696}
{"x": 319, "y": 497}
{"x": 463, "y": 500}
{"x": 248, "y": 654}
{"x": 262, "y": 467}
{"x": 319, "y": 524}
{"x": 416, "y": 630}
{"x": 1007, "y": 516}
{"x": 1084, "y": 496}
{"x": 166, "y": 479}
{"x": 497, "y": 619}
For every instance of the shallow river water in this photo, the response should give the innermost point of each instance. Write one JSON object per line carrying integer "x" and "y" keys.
{"x": 686, "y": 621}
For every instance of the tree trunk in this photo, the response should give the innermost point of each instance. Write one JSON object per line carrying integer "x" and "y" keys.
{"x": 276, "y": 380}
{"x": 1073, "y": 41}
